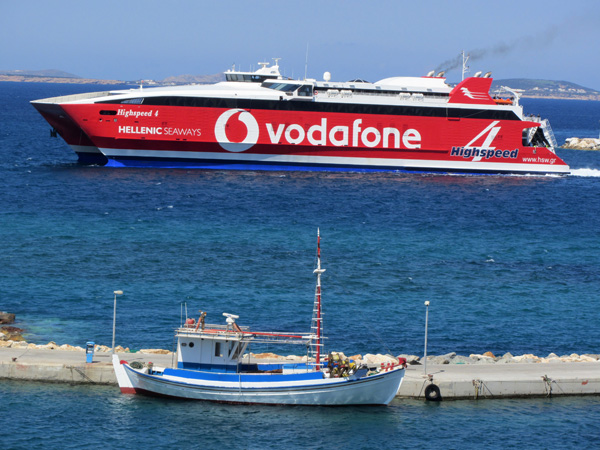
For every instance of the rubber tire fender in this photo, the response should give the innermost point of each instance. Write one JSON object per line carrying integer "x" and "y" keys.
{"x": 432, "y": 393}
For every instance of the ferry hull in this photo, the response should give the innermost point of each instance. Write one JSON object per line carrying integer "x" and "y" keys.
{"x": 207, "y": 138}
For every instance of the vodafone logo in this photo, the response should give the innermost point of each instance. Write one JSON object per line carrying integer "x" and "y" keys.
{"x": 236, "y": 130}
{"x": 222, "y": 124}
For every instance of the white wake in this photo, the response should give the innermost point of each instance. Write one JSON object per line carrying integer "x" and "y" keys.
{"x": 595, "y": 173}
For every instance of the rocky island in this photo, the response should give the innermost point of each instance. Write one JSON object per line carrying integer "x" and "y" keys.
{"x": 582, "y": 143}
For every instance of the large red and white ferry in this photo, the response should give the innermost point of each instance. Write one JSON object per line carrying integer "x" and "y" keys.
{"x": 261, "y": 120}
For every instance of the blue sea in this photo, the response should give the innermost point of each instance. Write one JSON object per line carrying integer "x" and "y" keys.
{"x": 509, "y": 264}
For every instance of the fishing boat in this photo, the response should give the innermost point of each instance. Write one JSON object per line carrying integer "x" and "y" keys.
{"x": 212, "y": 365}
{"x": 263, "y": 120}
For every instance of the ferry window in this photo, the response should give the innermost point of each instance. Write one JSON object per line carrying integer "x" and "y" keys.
{"x": 191, "y": 344}
{"x": 217, "y": 349}
{"x": 285, "y": 87}
{"x": 133, "y": 101}
{"x": 305, "y": 91}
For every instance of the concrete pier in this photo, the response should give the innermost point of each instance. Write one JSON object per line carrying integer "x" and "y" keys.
{"x": 479, "y": 381}
{"x": 62, "y": 366}
{"x": 455, "y": 381}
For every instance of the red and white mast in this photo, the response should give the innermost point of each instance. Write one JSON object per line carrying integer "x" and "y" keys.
{"x": 317, "y": 319}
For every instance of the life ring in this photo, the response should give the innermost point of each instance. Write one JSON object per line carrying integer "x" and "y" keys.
{"x": 432, "y": 393}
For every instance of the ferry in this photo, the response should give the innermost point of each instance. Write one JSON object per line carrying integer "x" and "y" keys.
{"x": 261, "y": 120}
{"x": 213, "y": 364}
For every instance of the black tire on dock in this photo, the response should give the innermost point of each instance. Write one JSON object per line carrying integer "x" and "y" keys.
{"x": 432, "y": 393}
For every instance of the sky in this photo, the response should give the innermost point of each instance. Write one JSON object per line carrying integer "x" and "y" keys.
{"x": 132, "y": 39}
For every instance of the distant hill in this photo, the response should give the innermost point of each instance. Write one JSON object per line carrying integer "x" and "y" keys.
{"x": 547, "y": 89}
{"x": 48, "y": 73}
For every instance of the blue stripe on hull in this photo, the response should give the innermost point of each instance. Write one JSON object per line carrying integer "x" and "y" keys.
{"x": 177, "y": 163}
{"x": 235, "y": 377}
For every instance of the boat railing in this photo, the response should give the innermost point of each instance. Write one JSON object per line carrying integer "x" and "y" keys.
{"x": 244, "y": 333}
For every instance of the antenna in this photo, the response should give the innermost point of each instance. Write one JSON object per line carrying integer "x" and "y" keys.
{"x": 306, "y": 62}
{"x": 465, "y": 68}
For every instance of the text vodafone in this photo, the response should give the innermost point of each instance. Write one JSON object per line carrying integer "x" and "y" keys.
{"x": 341, "y": 135}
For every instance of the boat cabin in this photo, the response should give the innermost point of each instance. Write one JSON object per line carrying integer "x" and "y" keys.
{"x": 211, "y": 348}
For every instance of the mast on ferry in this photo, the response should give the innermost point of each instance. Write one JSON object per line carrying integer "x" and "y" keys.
{"x": 317, "y": 319}
{"x": 465, "y": 68}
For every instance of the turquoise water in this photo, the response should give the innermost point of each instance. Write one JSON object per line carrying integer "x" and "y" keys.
{"x": 510, "y": 264}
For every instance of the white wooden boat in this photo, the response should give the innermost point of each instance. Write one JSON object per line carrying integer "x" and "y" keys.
{"x": 211, "y": 365}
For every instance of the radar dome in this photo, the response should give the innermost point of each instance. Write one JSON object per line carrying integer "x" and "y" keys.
{"x": 327, "y": 76}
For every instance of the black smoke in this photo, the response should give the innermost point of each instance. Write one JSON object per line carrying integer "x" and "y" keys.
{"x": 501, "y": 49}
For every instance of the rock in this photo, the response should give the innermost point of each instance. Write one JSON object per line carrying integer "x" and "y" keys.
{"x": 582, "y": 144}
{"x": 11, "y": 333}
{"x": 410, "y": 359}
{"x": 154, "y": 351}
{"x": 481, "y": 359}
{"x": 552, "y": 356}
{"x": 595, "y": 357}
{"x": 489, "y": 355}
{"x": 527, "y": 358}
{"x": 355, "y": 357}
{"x": 377, "y": 360}
{"x": 265, "y": 356}
{"x": 7, "y": 317}
{"x": 442, "y": 359}
{"x": 460, "y": 359}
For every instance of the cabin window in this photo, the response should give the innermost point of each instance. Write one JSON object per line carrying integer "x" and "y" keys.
{"x": 191, "y": 344}
{"x": 133, "y": 101}
{"x": 305, "y": 91}
{"x": 236, "y": 351}
{"x": 285, "y": 87}
{"x": 218, "y": 349}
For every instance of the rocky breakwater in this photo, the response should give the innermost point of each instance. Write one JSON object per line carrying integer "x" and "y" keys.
{"x": 507, "y": 358}
{"x": 582, "y": 143}
{"x": 100, "y": 349}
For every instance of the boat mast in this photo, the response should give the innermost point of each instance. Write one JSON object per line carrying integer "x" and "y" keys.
{"x": 317, "y": 320}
